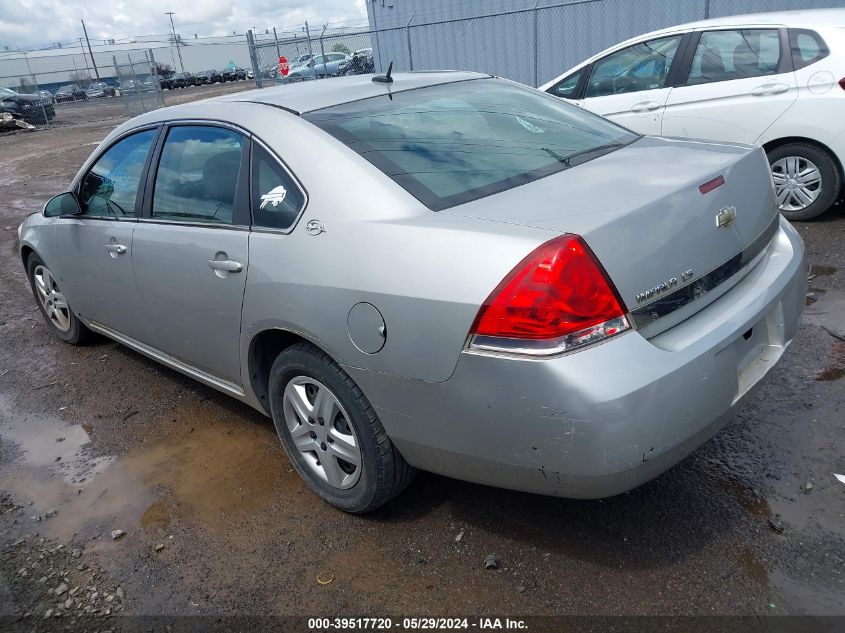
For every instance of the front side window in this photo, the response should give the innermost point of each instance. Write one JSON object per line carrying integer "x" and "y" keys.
{"x": 110, "y": 188}
{"x": 566, "y": 87}
{"x": 198, "y": 174}
{"x": 643, "y": 66}
{"x": 739, "y": 54}
{"x": 461, "y": 141}
{"x": 276, "y": 199}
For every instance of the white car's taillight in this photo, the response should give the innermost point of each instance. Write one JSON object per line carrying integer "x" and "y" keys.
{"x": 557, "y": 299}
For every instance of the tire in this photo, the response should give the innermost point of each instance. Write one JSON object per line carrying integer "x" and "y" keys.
{"x": 75, "y": 333}
{"x": 799, "y": 158}
{"x": 382, "y": 474}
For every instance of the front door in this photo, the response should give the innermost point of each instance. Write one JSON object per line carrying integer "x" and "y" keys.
{"x": 630, "y": 86}
{"x": 191, "y": 249}
{"x": 92, "y": 258}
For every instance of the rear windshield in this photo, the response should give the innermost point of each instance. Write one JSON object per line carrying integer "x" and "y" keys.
{"x": 461, "y": 141}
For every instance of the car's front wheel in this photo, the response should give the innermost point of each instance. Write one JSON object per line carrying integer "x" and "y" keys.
{"x": 53, "y": 304}
{"x": 331, "y": 432}
{"x": 807, "y": 180}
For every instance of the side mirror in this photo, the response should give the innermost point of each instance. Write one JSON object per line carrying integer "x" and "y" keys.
{"x": 62, "y": 204}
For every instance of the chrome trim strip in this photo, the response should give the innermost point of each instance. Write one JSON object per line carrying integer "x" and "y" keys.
{"x": 207, "y": 225}
{"x": 165, "y": 359}
{"x": 649, "y": 313}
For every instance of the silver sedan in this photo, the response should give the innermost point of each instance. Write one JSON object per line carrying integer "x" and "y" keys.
{"x": 444, "y": 271}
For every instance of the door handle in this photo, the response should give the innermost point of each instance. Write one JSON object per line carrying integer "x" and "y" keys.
{"x": 118, "y": 249}
{"x": 226, "y": 265}
{"x": 769, "y": 89}
{"x": 646, "y": 106}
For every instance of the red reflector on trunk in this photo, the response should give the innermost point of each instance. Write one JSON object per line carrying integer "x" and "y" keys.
{"x": 842, "y": 83}
{"x": 710, "y": 185}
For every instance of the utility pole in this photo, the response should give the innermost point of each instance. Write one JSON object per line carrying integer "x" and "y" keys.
{"x": 93, "y": 63}
{"x": 176, "y": 40}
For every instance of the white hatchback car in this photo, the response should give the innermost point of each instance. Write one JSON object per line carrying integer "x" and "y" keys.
{"x": 774, "y": 79}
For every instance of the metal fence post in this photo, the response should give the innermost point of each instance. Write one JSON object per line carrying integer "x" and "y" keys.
{"x": 253, "y": 58}
{"x": 536, "y": 44}
{"x": 408, "y": 33}
{"x": 706, "y": 9}
{"x": 156, "y": 83}
{"x": 308, "y": 33}
{"x": 37, "y": 89}
{"x": 323, "y": 54}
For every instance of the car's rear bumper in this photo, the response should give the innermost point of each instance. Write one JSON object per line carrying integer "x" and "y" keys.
{"x": 603, "y": 420}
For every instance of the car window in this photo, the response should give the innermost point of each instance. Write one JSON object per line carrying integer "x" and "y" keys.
{"x": 461, "y": 141}
{"x": 643, "y": 66}
{"x": 110, "y": 187}
{"x": 807, "y": 46}
{"x": 276, "y": 199}
{"x": 726, "y": 55}
{"x": 566, "y": 88}
{"x": 198, "y": 174}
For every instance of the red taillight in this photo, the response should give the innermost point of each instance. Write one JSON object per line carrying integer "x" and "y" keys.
{"x": 842, "y": 83}
{"x": 710, "y": 185}
{"x": 557, "y": 298}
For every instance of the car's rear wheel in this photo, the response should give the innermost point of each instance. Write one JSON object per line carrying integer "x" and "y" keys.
{"x": 331, "y": 432}
{"x": 53, "y": 304}
{"x": 807, "y": 180}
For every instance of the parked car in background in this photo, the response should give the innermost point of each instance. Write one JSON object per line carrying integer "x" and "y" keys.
{"x": 556, "y": 305}
{"x": 46, "y": 94}
{"x": 233, "y": 74}
{"x": 70, "y": 92}
{"x": 775, "y": 79}
{"x": 250, "y": 74}
{"x": 100, "y": 89}
{"x": 183, "y": 80}
{"x": 328, "y": 65}
{"x": 31, "y": 108}
{"x": 360, "y": 63}
{"x": 166, "y": 83}
{"x": 208, "y": 77}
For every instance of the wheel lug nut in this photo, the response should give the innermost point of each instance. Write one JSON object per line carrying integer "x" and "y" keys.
{"x": 323, "y": 445}
{"x": 321, "y": 421}
{"x": 313, "y": 435}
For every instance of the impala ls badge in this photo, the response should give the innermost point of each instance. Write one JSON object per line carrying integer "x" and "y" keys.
{"x": 315, "y": 227}
{"x": 726, "y": 216}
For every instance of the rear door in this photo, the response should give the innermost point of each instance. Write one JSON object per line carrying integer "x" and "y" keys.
{"x": 191, "y": 249}
{"x": 735, "y": 84}
{"x": 630, "y": 86}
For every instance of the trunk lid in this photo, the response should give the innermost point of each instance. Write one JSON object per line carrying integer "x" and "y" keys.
{"x": 641, "y": 212}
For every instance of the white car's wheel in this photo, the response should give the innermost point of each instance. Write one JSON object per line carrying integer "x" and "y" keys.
{"x": 807, "y": 180}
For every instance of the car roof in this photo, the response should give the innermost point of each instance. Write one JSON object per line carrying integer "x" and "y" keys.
{"x": 308, "y": 96}
{"x": 808, "y": 18}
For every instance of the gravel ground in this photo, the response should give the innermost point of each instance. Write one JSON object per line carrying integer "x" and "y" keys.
{"x": 98, "y": 438}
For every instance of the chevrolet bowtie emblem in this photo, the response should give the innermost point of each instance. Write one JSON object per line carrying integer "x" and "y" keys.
{"x": 726, "y": 216}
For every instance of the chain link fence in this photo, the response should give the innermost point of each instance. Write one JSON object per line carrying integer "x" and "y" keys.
{"x": 139, "y": 84}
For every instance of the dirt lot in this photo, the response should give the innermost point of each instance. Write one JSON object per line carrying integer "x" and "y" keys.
{"x": 98, "y": 438}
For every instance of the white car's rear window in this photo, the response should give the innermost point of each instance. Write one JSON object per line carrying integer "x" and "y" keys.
{"x": 452, "y": 143}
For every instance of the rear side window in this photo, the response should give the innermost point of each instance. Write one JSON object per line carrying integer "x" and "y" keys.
{"x": 460, "y": 141}
{"x": 276, "y": 198}
{"x": 739, "y": 54}
{"x": 807, "y": 46}
{"x": 110, "y": 187}
{"x": 198, "y": 174}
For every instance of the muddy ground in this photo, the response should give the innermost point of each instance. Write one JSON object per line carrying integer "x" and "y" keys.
{"x": 98, "y": 438}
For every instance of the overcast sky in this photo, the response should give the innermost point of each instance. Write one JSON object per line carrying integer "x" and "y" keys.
{"x": 29, "y": 23}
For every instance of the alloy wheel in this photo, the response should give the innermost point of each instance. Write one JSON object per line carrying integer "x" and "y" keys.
{"x": 320, "y": 429}
{"x": 798, "y": 183}
{"x": 51, "y": 298}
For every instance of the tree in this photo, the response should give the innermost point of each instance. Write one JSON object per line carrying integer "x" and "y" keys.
{"x": 163, "y": 70}
{"x": 26, "y": 85}
{"x": 80, "y": 78}
{"x": 341, "y": 48}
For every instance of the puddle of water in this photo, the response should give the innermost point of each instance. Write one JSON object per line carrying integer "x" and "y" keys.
{"x": 836, "y": 365}
{"x": 751, "y": 502}
{"x": 216, "y": 472}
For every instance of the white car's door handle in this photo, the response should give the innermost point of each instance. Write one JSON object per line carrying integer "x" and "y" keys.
{"x": 227, "y": 265}
{"x": 118, "y": 249}
{"x": 646, "y": 106}
{"x": 769, "y": 89}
